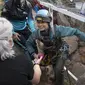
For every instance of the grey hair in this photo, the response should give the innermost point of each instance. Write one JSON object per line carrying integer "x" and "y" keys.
{"x": 5, "y": 51}
{"x": 5, "y": 34}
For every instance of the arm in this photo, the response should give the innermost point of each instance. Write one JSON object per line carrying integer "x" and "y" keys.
{"x": 69, "y": 31}
{"x": 31, "y": 23}
{"x": 34, "y": 71}
{"x": 37, "y": 71}
{"x": 31, "y": 44}
{"x": 37, "y": 74}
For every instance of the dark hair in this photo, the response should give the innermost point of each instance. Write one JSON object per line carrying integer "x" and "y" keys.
{"x": 16, "y": 9}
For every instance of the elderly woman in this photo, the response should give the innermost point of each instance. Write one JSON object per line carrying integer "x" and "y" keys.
{"x": 15, "y": 69}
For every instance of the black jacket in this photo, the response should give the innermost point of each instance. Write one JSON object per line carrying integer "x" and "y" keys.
{"x": 16, "y": 71}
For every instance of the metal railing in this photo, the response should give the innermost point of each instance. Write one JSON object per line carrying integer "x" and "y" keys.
{"x": 64, "y": 11}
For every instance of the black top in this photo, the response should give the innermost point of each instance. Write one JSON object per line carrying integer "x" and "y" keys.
{"x": 16, "y": 71}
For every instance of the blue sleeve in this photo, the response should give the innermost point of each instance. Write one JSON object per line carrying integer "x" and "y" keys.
{"x": 69, "y": 31}
{"x": 36, "y": 8}
{"x": 31, "y": 24}
{"x": 31, "y": 44}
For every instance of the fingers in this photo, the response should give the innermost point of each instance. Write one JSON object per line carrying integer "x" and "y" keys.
{"x": 38, "y": 59}
{"x": 16, "y": 36}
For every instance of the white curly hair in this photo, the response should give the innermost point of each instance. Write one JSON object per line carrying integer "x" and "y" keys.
{"x": 5, "y": 34}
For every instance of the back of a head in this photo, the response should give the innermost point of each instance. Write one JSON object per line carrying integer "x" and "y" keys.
{"x": 25, "y": 5}
{"x": 44, "y": 15}
{"x": 16, "y": 9}
{"x": 5, "y": 28}
{"x": 28, "y": 7}
{"x": 5, "y": 34}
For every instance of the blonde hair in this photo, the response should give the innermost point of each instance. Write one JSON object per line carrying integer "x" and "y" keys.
{"x": 5, "y": 33}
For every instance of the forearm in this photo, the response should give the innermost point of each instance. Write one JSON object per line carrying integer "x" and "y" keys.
{"x": 30, "y": 47}
{"x": 37, "y": 74}
{"x": 37, "y": 69}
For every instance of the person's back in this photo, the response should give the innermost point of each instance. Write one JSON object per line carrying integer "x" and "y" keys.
{"x": 15, "y": 67}
{"x": 16, "y": 71}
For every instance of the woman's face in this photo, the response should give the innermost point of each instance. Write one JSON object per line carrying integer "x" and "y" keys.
{"x": 42, "y": 25}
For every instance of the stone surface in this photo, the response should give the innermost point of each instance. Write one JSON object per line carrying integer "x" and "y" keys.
{"x": 72, "y": 42}
{"x": 82, "y": 54}
{"x": 78, "y": 69}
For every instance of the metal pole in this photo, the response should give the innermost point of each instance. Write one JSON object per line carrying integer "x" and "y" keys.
{"x": 51, "y": 23}
{"x": 73, "y": 76}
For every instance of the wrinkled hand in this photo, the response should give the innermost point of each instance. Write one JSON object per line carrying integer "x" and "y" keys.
{"x": 16, "y": 36}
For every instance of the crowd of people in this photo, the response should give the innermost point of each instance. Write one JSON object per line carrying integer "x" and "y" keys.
{"x": 19, "y": 13}
{"x": 20, "y": 66}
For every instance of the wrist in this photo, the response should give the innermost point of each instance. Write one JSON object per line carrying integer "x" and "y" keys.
{"x": 35, "y": 63}
{"x": 33, "y": 54}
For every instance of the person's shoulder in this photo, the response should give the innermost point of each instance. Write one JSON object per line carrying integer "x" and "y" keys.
{"x": 58, "y": 26}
